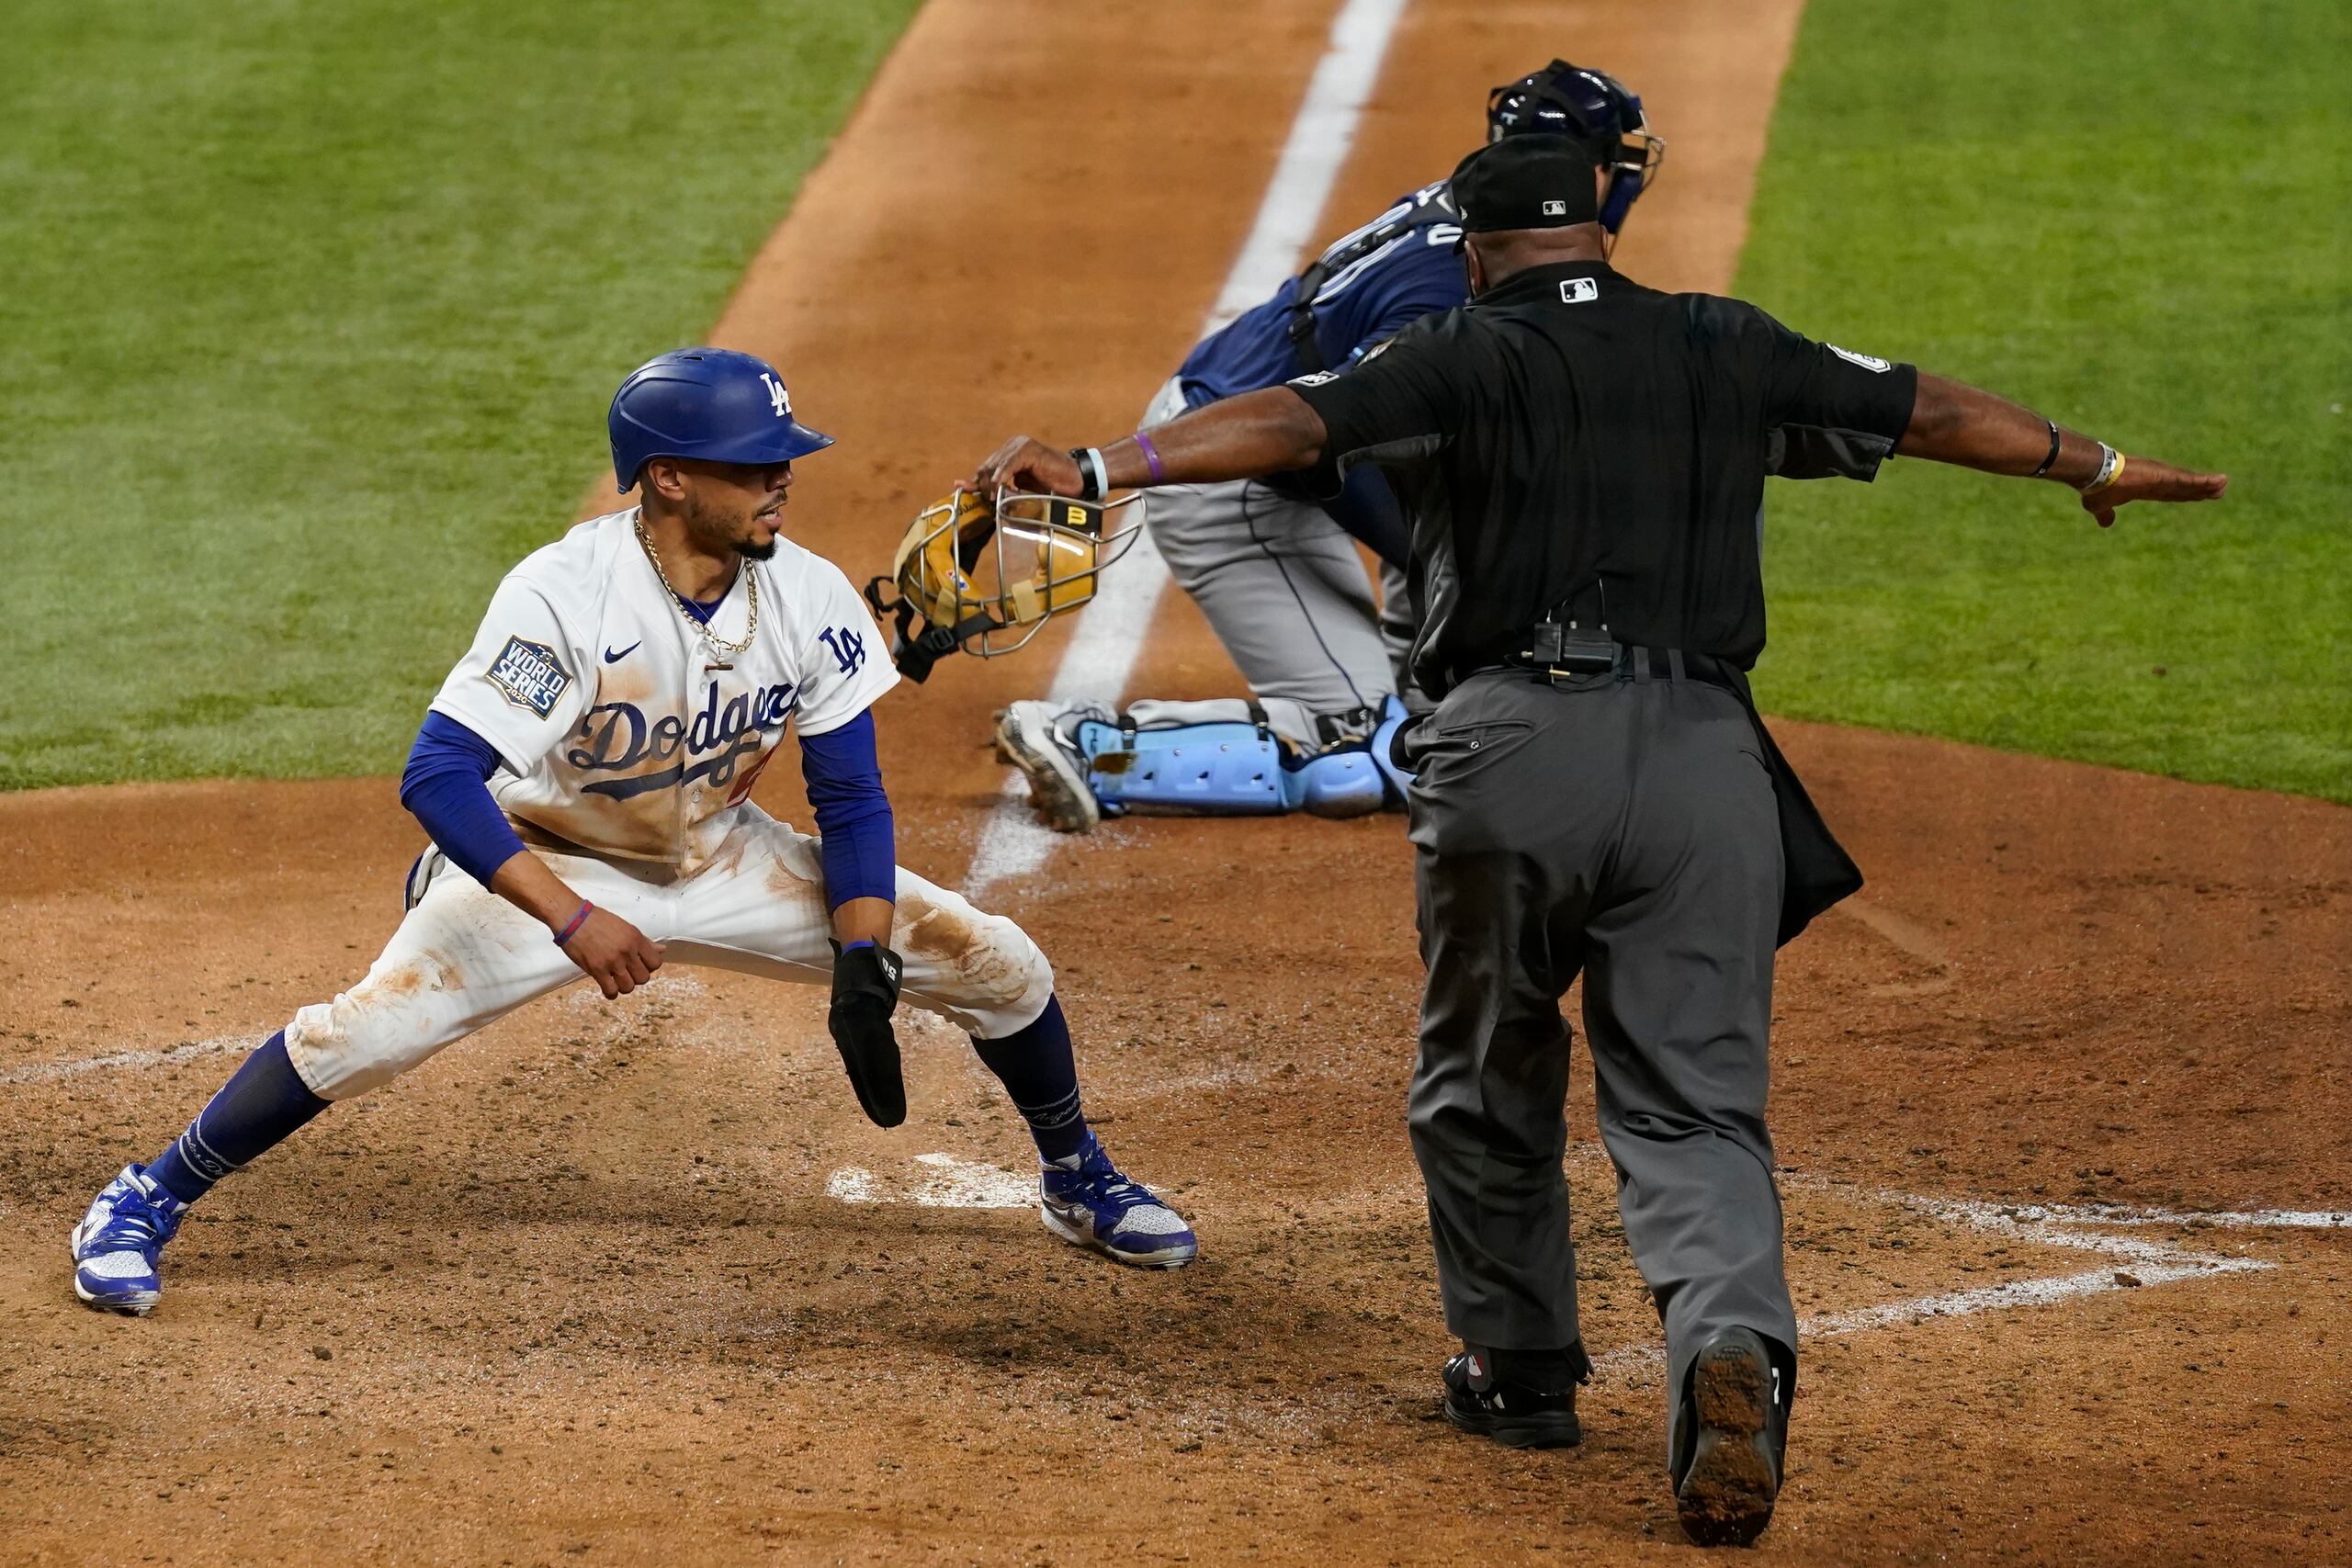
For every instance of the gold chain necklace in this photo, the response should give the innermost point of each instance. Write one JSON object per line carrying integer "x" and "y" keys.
{"x": 750, "y": 587}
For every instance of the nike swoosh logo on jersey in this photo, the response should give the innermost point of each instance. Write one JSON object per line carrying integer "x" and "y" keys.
{"x": 612, "y": 658}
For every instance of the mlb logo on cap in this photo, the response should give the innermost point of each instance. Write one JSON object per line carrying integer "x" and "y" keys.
{"x": 1526, "y": 182}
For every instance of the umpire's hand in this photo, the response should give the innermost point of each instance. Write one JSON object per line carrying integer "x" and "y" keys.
{"x": 1025, "y": 463}
{"x": 866, "y": 992}
{"x": 2144, "y": 478}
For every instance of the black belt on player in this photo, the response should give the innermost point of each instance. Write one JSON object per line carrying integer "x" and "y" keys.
{"x": 1816, "y": 870}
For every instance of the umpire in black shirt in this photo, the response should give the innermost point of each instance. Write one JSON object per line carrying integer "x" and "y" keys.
{"x": 1583, "y": 459}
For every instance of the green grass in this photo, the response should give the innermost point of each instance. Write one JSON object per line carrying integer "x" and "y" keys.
{"x": 2131, "y": 215}
{"x": 309, "y": 314}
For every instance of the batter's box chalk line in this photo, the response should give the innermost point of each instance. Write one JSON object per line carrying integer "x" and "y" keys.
{"x": 948, "y": 1183}
{"x": 189, "y": 1051}
{"x": 610, "y": 1021}
{"x": 2132, "y": 1262}
{"x": 2129, "y": 1261}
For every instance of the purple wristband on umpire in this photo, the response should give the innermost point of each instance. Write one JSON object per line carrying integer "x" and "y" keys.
{"x": 1151, "y": 458}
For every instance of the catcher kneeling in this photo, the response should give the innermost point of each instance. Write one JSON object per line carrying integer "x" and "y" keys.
{"x": 982, "y": 576}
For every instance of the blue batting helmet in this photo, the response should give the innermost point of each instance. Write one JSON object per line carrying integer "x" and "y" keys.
{"x": 1594, "y": 108}
{"x": 711, "y": 403}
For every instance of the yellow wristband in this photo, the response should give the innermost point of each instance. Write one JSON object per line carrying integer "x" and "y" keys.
{"x": 2110, "y": 470}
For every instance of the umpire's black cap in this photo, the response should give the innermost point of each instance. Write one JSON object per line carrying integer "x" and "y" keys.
{"x": 1526, "y": 182}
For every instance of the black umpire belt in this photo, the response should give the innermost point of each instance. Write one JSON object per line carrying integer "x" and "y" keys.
{"x": 1816, "y": 870}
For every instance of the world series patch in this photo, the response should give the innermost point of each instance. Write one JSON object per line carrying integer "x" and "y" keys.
{"x": 530, "y": 675}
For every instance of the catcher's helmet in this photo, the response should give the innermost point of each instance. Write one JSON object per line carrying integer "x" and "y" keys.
{"x": 711, "y": 403}
{"x": 1598, "y": 112}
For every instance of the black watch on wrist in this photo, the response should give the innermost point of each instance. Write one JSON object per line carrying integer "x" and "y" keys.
{"x": 1089, "y": 476}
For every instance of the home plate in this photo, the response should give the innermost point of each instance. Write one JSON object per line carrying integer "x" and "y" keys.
{"x": 946, "y": 1183}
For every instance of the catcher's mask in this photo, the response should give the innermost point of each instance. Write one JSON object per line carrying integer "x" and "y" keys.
{"x": 984, "y": 576}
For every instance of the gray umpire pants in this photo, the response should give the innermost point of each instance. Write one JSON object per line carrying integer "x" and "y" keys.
{"x": 1623, "y": 827}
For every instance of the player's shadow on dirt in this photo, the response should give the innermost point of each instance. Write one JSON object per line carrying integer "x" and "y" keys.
{"x": 730, "y": 1265}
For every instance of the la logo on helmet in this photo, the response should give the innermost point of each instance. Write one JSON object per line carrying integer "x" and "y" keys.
{"x": 776, "y": 399}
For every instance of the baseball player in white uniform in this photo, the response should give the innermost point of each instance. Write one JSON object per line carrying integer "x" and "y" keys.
{"x": 585, "y": 775}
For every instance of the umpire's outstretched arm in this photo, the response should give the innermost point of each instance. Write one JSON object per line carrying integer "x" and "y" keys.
{"x": 1270, "y": 430}
{"x": 1238, "y": 438}
{"x": 1954, "y": 422}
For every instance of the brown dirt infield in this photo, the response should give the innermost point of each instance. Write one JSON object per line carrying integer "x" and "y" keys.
{"x": 577, "y": 1291}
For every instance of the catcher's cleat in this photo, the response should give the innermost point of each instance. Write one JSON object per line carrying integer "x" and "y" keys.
{"x": 1734, "y": 1437}
{"x": 116, "y": 1246}
{"x": 1028, "y": 735}
{"x": 1085, "y": 1201}
{"x": 1511, "y": 1413}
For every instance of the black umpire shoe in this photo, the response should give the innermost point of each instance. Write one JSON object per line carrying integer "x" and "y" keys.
{"x": 1734, "y": 1438}
{"x": 1511, "y": 1413}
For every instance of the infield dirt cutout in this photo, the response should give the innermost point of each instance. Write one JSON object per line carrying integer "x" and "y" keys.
{"x": 628, "y": 1281}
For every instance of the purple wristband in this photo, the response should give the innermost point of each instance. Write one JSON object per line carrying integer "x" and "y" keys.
{"x": 577, "y": 921}
{"x": 861, "y": 942}
{"x": 1151, "y": 458}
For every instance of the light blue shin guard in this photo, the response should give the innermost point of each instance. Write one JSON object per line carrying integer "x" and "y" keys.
{"x": 1217, "y": 770}
{"x": 1393, "y": 717}
{"x": 1231, "y": 770}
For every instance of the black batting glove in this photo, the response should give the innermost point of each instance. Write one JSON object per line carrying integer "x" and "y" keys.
{"x": 866, "y": 992}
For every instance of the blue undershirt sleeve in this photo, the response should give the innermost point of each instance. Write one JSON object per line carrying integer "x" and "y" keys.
{"x": 445, "y": 787}
{"x": 1368, "y": 509}
{"x": 859, "y": 836}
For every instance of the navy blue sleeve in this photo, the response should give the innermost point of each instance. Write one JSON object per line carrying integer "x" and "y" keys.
{"x": 1423, "y": 278}
{"x": 443, "y": 788}
{"x": 854, "y": 822}
{"x": 1368, "y": 510}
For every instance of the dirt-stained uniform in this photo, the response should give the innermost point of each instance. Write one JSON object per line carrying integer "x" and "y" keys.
{"x": 604, "y": 732}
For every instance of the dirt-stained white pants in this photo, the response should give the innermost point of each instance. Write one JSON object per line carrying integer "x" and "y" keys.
{"x": 465, "y": 957}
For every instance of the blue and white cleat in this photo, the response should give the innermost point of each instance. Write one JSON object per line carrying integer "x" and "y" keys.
{"x": 118, "y": 1242}
{"x": 1088, "y": 1203}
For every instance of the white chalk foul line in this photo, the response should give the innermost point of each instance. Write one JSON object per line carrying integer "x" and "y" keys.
{"x": 1101, "y": 655}
{"x": 965, "y": 1184}
{"x": 1095, "y": 668}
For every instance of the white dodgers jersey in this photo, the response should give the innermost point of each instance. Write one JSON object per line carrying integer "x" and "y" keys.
{"x": 621, "y": 729}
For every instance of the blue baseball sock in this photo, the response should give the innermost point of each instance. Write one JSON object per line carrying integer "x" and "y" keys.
{"x": 1039, "y": 1072}
{"x": 260, "y": 1106}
